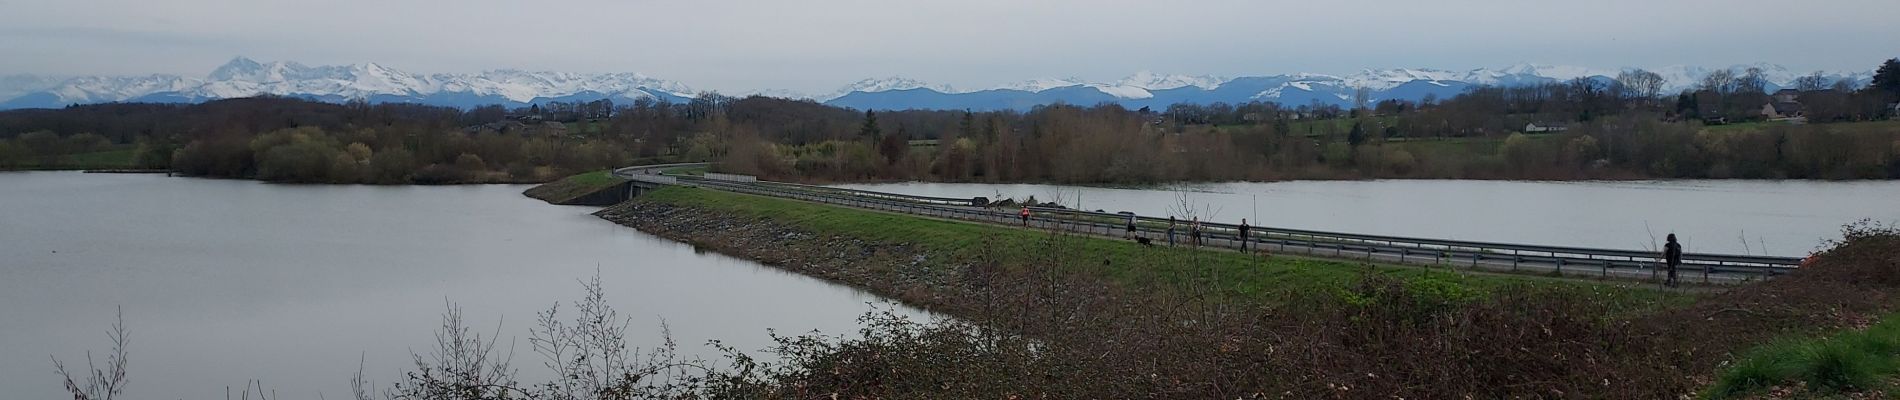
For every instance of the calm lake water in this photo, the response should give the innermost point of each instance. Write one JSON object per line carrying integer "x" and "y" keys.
{"x": 225, "y": 281}
{"x": 1789, "y": 218}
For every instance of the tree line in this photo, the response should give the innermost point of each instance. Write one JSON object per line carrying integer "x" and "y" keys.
{"x": 1622, "y": 127}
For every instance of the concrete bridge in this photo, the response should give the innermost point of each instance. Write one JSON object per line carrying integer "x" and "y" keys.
{"x": 1424, "y": 252}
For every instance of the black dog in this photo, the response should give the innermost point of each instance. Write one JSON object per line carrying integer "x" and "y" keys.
{"x": 1145, "y": 241}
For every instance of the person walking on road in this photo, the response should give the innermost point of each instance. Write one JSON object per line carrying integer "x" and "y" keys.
{"x": 1131, "y": 227}
{"x": 1245, "y": 245}
{"x": 1170, "y": 231}
{"x": 1672, "y": 255}
{"x": 1195, "y": 232}
{"x": 1025, "y": 215}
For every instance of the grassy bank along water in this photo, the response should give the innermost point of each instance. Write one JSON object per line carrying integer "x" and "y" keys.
{"x": 572, "y": 189}
{"x": 1109, "y": 318}
{"x": 1120, "y": 261}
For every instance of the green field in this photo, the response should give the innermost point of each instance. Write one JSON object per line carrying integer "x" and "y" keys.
{"x": 1888, "y": 126}
{"x": 1340, "y": 126}
{"x": 1235, "y": 274}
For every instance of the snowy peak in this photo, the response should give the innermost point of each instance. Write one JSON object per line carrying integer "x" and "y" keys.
{"x": 1037, "y": 85}
{"x": 236, "y": 68}
{"x": 15, "y": 85}
{"x": 1557, "y": 72}
{"x": 244, "y": 77}
{"x": 1151, "y": 81}
{"x": 886, "y": 84}
{"x": 247, "y": 70}
{"x": 1382, "y": 79}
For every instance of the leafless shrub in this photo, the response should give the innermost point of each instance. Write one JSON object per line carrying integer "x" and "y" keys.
{"x": 592, "y": 360}
{"x": 252, "y": 388}
{"x": 463, "y": 366}
{"x": 99, "y": 383}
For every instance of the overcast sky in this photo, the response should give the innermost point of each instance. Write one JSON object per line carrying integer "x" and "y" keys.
{"x": 820, "y": 45}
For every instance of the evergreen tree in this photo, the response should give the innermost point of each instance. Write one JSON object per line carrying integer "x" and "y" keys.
{"x": 1356, "y": 136}
{"x": 870, "y": 129}
{"x": 1887, "y": 79}
{"x": 968, "y": 125}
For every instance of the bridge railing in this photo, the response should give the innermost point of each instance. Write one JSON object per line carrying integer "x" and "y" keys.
{"x": 1564, "y": 260}
{"x": 654, "y": 179}
{"x": 653, "y": 169}
{"x": 1373, "y": 247}
{"x": 948, "y": 201}
{"x": 731, "y": 177}
{"x": 1758, "y": 264}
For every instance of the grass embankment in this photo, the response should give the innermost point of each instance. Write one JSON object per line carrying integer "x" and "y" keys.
{"x": 1847, "y": 361}
{"x": 1118, "y": 261}
{"x": 1114, "y": 319}
{"x": 1111, "y": 318}
{"x": 575, "y": 189}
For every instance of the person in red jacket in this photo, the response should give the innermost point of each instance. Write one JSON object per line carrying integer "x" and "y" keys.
{"x": 1025, "y": 215}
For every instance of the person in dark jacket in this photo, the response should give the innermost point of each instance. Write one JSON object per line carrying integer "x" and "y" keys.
{"x": 1195, "y": 230}
{"x": 1131, "y": 227}
{"x": 1245, "y": 245}
{"x": 1672, "y": 255}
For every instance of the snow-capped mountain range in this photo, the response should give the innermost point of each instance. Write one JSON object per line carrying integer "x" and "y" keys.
{"x": 243, "y": 77}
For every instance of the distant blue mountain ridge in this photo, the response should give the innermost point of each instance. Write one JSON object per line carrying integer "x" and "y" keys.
{"x": 242, "y": 77}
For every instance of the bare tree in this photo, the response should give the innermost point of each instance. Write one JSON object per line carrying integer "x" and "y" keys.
{"x": 1751, "y": 81}
{"x": 462, "y": 366}
{"x": 593, "y": 361}
{"x": 1361, "y": 96}
{"x": 1640, "y": 84}
{"x": 1720, "y": 81}
{"x": 102, "y": 383}
{"x": 360, "y": 388}
{"x": 1813, "y": 82}
{"x": 1842, "y": 85}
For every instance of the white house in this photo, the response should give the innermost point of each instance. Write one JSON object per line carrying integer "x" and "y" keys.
{"x": 1545, "y": 127}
